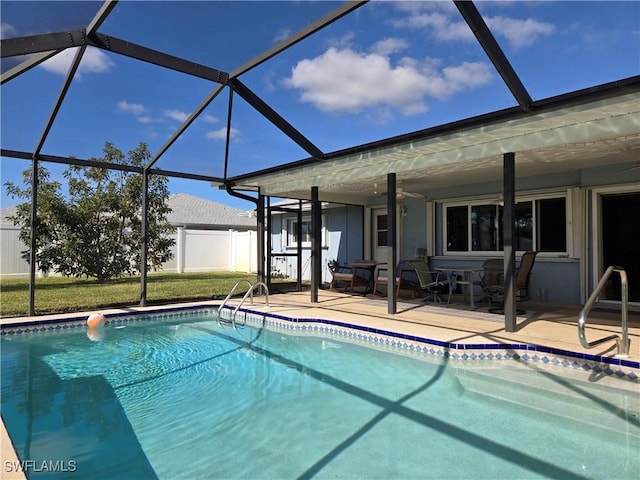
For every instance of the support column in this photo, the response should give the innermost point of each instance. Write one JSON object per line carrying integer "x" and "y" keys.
{"x": 260, "y": 206}
{"x": 392, "y": 246}
{"x": 299, "y": 248}
{"x": 144, "y": 247}
{"x": 509, "y": 251}
{"x": 33, "y": 244}
{"x": 233, "y": 244}
{"x": 180, "y": 249}
{"x": 316, "y": 244}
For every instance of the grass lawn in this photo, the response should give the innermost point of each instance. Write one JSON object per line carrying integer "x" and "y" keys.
{"x": 55, "y": 294}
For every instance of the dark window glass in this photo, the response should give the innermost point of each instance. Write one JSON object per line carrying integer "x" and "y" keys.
{"x": 381, "y": 228}
{"x": 305, "y": 231}
{"x": 458, "y": 229}
{"x": 552, "y": 221}
{"x": 523, "y": 227}
{"x": 484, "y": 227}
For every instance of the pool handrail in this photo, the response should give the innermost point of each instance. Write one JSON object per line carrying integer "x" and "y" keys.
{"x": 623, "y": 344}
{"x": 248, "y": 293}
{"x": 231, "y": 292}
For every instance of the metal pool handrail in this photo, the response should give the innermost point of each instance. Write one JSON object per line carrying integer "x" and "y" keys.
{"x": 249, "y": 292}
{"x": 623, "y": 343}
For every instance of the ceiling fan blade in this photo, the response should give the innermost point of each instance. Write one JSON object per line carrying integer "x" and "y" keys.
{"x": 414, "y": 195}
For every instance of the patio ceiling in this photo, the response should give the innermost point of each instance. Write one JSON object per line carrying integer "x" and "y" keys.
{"x": 551, "y": 140}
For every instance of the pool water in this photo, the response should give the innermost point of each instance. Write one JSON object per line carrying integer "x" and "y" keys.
{"x": 188, "y": 398}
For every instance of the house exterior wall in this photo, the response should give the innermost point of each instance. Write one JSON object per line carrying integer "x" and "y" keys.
{"x": 342, "y": 241}
{"x": 557, "y": 277}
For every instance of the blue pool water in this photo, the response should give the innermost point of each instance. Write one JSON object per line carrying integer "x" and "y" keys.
{"x": 188, "y": 398}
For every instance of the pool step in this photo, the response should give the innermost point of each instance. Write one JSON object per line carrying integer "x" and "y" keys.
{"x": 552, "y": 395}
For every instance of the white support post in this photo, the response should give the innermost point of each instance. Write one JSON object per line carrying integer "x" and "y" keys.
{"x": 180, "y": 249}
{"x": 233, "y": 250}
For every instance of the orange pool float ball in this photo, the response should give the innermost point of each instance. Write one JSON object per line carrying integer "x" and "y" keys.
{"x": 95, "y": 320}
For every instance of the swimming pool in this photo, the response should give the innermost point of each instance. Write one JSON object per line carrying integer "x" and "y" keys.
{"x": 184, "y": 397}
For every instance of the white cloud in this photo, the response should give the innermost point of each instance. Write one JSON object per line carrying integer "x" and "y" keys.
{"x": 440, "y": 24}
{"x": 134, "y": 108}
{"x": 209, "y": 118}
{"x": 345, "y": 41}
{"x": 93, "y": 61}
{"x": 176, "y": 115}
{"x": 345, "y": 81}
{"x": 7, "y": 31}
{"x": 282, "y": 35}
{"x": 444, "y": 25}
{"x": 389, "y": 45}
{"x": 221, "y": 134}
{"x": 147, "y": 119}
{"x": 519, "y": 33}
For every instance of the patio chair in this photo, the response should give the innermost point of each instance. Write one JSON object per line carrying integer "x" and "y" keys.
{"x": 382, "y": 281}
{"x": 344, "y": 279}
{"x": 425, "y": 283}
{"x": 493, "y": 278}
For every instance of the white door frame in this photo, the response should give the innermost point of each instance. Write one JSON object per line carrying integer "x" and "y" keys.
{"x": 370, "y": 231}
{"x": 596, "y": 213}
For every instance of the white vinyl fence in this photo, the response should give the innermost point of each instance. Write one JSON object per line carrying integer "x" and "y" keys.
{"x": 11, "y": 263}
{"x": 195, "y": 251}
{"x": 213, "y": 250}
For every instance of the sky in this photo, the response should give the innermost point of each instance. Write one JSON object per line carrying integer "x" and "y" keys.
{"x": 387, "y": 69}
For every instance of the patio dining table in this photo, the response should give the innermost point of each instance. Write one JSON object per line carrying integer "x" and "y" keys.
{"x": 368, "y": 268}
{"x": 467, "y": 274}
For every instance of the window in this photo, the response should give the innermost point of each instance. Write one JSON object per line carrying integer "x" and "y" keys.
{"x": 291, "y": 233}
{"x": 382, "y": 230}
{"x": 540, "y": 224}
{"x": 457, "y": 229}
{"x": 305, "y": 232}
{"x": 552, "y": 234}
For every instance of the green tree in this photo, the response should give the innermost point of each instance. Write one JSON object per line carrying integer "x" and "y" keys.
{"x": 95, "y": 230}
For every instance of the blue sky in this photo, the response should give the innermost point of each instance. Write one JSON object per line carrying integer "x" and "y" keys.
{"x": 387, "y": 69}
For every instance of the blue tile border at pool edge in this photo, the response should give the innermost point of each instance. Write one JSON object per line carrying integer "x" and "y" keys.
{"x": 621, "y": 362}
{"x": 452, "y": 349}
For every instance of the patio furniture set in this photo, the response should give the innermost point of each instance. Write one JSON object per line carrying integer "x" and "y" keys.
{"x": 415, "y": 279}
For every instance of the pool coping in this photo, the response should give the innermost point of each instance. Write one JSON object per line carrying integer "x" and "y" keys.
{"x": 610, "y": 366}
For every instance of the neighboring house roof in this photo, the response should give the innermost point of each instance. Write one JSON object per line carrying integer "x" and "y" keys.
{"x": 192, "y": 212}
{"x": 7, "y": 212}
{"x": 196, "y": 212}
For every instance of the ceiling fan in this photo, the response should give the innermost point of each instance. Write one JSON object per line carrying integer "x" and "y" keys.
{"x": 401, "y": 193}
